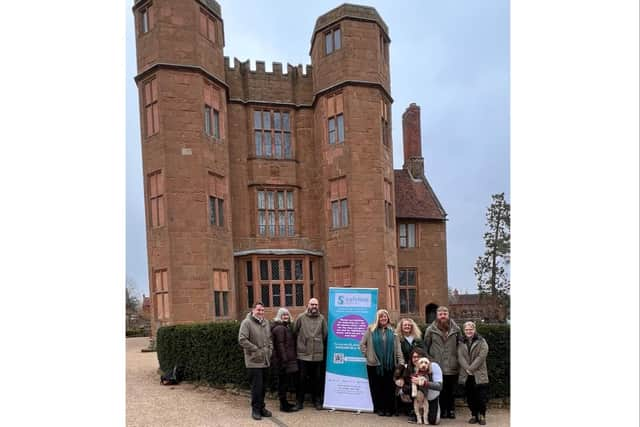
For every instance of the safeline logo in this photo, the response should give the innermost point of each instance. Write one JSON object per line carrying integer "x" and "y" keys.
{"x": 353, "y": 300}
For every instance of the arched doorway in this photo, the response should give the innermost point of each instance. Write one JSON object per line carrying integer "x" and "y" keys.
{"x": 430, "y": 313}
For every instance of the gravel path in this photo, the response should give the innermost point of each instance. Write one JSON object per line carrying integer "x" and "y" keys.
{"x": 152, "y": 404}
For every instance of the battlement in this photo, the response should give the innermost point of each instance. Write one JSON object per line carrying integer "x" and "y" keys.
{"x": 299, "y": 70}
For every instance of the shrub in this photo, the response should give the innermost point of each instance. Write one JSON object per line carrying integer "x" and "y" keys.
{"x": 210, "y": 352}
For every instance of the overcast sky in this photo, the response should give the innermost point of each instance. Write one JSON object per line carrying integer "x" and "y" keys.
{"x": 451, "y": 58}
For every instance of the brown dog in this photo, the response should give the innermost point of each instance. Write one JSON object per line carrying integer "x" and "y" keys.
{"x": 402, "y": 379}
{"x": 420, "y": 401}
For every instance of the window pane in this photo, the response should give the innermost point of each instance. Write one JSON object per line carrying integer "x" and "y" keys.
{"x": 332, "y": 131}
{"x": 258, "y": 144}
{"x": 285, "y": 121}
{"x": 280, "y": 199}
{"x": 403, "y": 277}
{"x": 402, "y": 230}
{"x": 336, "y": 38}
{"x": 262, "y": 223}
{"x": 272, "y": 223}
{"x": 404, "y": 306}
{"x": 412, "y": 235}
{"x": 310, "y": 270}
{"x": 335, "y": 214}
{"x": 145, "y": 20}
{"x": 278, "y": 146}
{"x": 340, "y": 128}
{"x": 289, "y": 199}
{"x": 312, "y": 286}
{"x": 276, "y": 120}
{"x": 288, "y": 295}
{"x": 412, "y": 300}
{"x": 250, "y": 296}
{"x": 298, "y": 265}
{"x": 300, "y": 294}
{"x": 220, "y": 212}
{"x": 281, "y": 225}
{"x": 292, "y": 225}
{"x": 276, "y": 295}
{"x": 287, "y": 269}
{"x": 328, "y": 43}
{"x": 225, "y": 303}
{"x": 267, "y": 144}
{"x": 216, "y": 303}
{"x": 212, "y": 210}
{"x": 249, "y": 271}
{"x": 265, "y": 295}
{"x": 275, "y": 269}
{"x": 411, "y": 278}
{"x": 345, "y": 213}
{"x": 270, "y": 201}
{"x": 287, "y": 146}
{"x": 207, "y": 120}
{"x": 216, "y": 124}
{"x": 256, "y": 120}
{"x": 260, "y": 199}
{"x": 266, "y": 119}
{"x": 264, "y": 269}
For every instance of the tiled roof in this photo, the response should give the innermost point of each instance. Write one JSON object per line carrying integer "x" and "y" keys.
{"x": 415, "y": 198}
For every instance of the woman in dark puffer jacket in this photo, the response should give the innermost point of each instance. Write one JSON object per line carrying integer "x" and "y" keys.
{"x": 283, "y": 359}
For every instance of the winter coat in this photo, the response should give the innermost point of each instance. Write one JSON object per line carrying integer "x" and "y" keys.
{"x": 408, "y": 348}
{"x": 310, "y": 332}
{"x": 255, "y": 339}
{"x": 442, "y": 348}
{"x": 284, "y": 347}
{"x": 366, "y": 347}
{"x": 473, "y": 360}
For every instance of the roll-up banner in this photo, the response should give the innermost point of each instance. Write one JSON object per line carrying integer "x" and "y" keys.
{"x": 351, "y": 310}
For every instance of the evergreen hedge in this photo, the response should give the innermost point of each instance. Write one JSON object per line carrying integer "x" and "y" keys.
{"x": 210, "y": 352}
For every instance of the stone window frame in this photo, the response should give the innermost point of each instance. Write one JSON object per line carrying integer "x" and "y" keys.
{"x": 335, "y": 118}
{"x": 288, "y": 209}
{"x": 221, "y": 294}
{"x": 156, "y": 192}
{"x": 407, "y": 287}
{"x": 392, "y": 284}
{"x": 208, "y": 26}
{"x": 403, "y": 233}
{"x": 161, "y": 294}
{"x": 338, "y": 203}
{"x": 331, "y": 36}
{"x": 262, "y": 130}
{"x": 276, "y": 294}
{"x": 146, "y": 19}
{"x": 388, "y": 204}
{"x": 150, "y": 103}
{"x": 216, "y": 190}
{"x": 212, "y": 124}
{"x": 385, "y": 124}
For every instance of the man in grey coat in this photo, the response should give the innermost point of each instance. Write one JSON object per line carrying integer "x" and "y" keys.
{"x": 310, "y": 329}
{"x": 441, "y": 339}
{"x": 255, "y": 339}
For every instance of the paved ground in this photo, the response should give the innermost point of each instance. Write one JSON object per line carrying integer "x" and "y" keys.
{"x": 152, "y": 404}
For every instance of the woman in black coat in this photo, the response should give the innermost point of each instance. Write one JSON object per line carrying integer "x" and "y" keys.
{"x": 283, "y": 359}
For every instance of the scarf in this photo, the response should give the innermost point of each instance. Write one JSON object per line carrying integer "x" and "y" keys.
{"x": 384, "y": 350}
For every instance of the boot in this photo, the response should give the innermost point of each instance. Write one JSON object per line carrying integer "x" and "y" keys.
{"x": 265, "y": 412}
{"x": 286, "y": 406}
{"x": 473, "y": 420}
{"x": 299, "y": 405}
{"x": 255, "y": 414}
{"x": 481, "y": 420}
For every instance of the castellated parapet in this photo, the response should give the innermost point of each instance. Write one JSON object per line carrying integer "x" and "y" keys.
{"x": 258, "y": 85}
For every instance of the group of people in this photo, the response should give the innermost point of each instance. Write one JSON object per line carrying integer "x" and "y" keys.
{"x": 295, "y": 351}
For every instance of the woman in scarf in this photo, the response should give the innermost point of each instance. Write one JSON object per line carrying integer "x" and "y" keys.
{"x": 381, "y": 347}
{"x": 283, "y": 359}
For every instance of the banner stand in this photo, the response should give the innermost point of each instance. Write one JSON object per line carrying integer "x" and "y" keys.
{"x": 346, "y": 387}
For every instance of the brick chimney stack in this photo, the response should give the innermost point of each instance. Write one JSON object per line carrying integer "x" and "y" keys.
{"x": 412, "y": 141}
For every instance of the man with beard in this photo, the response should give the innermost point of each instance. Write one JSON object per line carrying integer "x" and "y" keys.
{"x": 255, "y": 339}
{"x": 310, "y": 329}
{"x": 441, "y": 339}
